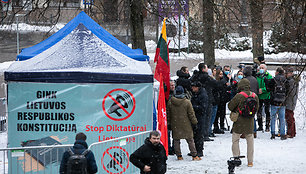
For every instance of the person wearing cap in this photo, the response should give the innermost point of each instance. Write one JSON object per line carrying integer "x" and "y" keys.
{"x": 181, "y": 120}
{"x": 199, "y": 102}
{"x": 292, "y": 85}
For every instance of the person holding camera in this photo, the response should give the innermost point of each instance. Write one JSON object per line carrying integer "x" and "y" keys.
{"x": 264, "y": 97}
{"x": 244, "y": 122}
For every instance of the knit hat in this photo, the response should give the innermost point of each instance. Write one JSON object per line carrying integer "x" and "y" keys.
{"x": 179, "y": 90}
{"x": 196, "y": 84}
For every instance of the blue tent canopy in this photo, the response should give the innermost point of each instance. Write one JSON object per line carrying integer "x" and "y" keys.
{"x": 91, "y": 25}
{"x": 80, "y": 57}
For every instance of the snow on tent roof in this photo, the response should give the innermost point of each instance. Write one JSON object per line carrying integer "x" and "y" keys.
{"x": 91, "y": 25}
{"x": 83, "y": 56}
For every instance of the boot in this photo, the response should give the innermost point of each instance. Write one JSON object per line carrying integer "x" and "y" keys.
{"x": 179, "y": 157}
{"x": 283, "y": 137}
{"x": 250, "y": 164}
{"x": 200, "y": 154}
{"x": 272, "y": 136}
{"x": 208, "y": 139}
{"x": 196, "y": 158}
{"x": 255, "y": 135}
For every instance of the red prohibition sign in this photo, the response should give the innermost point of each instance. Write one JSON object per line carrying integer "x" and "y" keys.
{"x": 124, "y": 168}
{"x": 119, "y": 104}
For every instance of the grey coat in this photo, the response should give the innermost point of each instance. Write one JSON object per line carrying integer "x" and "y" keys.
{"x": 291, "y": 93}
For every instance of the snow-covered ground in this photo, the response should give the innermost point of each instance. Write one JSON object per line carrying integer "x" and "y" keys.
{"x": 271, "y": 156}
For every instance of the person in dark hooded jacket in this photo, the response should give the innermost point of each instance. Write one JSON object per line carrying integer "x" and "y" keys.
{"x": 243, "y": 125}
{"x": 199, "y": 101}
{"x": 151, "y": 157}
{"x": 181, "y": 120}
{"x": 79, "y": 147}
{"x": 184, "y": 80}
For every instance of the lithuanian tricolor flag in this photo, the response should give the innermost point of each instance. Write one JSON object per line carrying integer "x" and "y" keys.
{"x": 162, "y": 58}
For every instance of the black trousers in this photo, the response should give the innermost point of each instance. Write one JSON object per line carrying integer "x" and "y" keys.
{"x": 266, "y": 103}
{"x": 220, "y": 115}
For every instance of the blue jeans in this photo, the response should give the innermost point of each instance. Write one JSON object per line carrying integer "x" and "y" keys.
{"x": 213, "y": 116}
{"x": 280, "y": 111}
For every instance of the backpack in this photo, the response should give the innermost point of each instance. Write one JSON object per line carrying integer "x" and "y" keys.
{"x": 279, "y": 93}
{"x": 249, "y": 105}
{"x": 77, "y": 163}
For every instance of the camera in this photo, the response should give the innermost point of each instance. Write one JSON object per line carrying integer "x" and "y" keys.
{"x": 233, "y": 162}
{"x": 254, "y": 69}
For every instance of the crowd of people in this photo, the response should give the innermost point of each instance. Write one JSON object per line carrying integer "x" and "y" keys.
{"x": 196, "y": 108}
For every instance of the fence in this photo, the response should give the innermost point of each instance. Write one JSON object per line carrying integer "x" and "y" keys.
{"x": 2, "y": 114}
{"x": 112, "y": 156}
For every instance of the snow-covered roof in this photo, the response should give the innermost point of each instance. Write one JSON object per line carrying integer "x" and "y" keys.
{"x": 82, "y": 18}
{"x": 81, "y": 50}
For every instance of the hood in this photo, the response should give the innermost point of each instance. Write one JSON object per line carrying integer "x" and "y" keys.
{"x": 177, "y": 101}
{"x": 280, "y": 78}
{"x": 182, "y": 74}
{"x": 80, "y": 144}
{"x": 247, "y": 71}
{"x": 244, "y": 85}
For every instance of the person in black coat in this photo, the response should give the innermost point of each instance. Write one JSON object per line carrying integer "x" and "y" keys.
{"x": 79, "y": 147}
{"x": 151, "y": 157}
{"x": 209, "y": 84}
{"x": 199, "y": 101}
{"x": 183, "y": 79}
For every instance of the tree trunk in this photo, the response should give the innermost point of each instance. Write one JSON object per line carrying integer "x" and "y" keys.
{"x": 208, "y": 32}
{"x": 256, "y": 7}
{"x": 136, "y": 23}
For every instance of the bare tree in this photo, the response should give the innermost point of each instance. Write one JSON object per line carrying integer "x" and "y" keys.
{"x": 136, "y": 21}
{"x": 208, "y": 30}
{"x": 256, "y": 7}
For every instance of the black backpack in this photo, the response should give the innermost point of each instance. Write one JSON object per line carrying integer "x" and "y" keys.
{"x": 249, "y": 105}
{"x": 77, "y": 163}
{"x": 279, "y": 93}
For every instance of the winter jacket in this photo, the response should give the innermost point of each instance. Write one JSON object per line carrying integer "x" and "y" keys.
{"x": 199, "y": 103}
{"x": 271, "y": 84}
{"x": 224, "y": 90}
{"x": 292, "y": 93}
{"x": 253, "y": 81}
{"x": 208, "y": 83}
{"x": 181, "y": 117}
{"x": 183, "y": 80}
{"x": 150, "y": 155}
{"x": 261, "y": 84}
{"x": 243, "y": 125}
{"x": 79, "y": 147}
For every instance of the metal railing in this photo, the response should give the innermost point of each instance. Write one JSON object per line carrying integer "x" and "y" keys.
{"x": 3, "y": 115}
{"x": 33, "y": 159}
{"x": 112, "y": 156}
